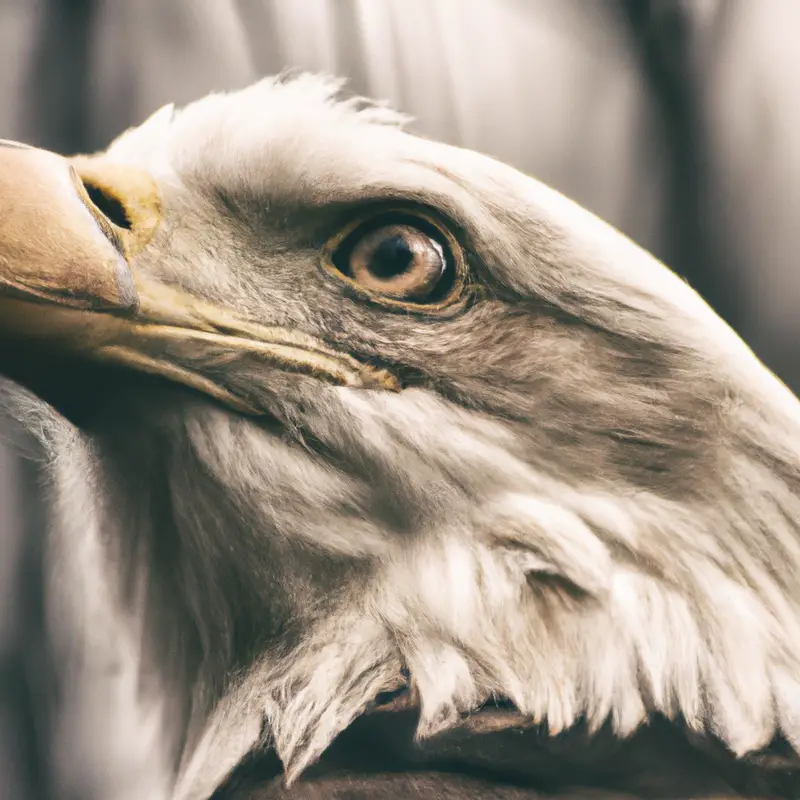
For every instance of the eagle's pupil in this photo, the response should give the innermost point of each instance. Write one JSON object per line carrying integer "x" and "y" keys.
{"x": 392, "y": 257}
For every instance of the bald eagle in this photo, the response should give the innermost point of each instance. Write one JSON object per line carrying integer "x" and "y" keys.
{"x": 379, "y": 469}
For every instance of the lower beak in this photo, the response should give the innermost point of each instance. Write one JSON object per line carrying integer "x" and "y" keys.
{"x": 68, "y": 282}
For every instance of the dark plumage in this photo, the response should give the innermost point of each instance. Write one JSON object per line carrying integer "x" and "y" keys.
{"x": 564, "y": 485}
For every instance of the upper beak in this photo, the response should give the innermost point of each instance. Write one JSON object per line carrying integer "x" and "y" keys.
{"x": 70, "y": 234}
{"x": 55, "y": 243}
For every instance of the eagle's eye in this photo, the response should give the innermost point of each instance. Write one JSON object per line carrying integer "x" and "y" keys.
{"x": 399, "y": 261}
{"x": 398, "y": 258}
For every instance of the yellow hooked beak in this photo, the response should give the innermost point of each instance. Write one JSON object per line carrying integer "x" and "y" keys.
{"x": 70, "y": 231}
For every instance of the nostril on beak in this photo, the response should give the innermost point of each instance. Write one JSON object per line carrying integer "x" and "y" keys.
{"x": 106, "y": 212}
{"x": 111, "y": 207}
{"x": 125, "y": 198}
{"x": 112, "y": 219}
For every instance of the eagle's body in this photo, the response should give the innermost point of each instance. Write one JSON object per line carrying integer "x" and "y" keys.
{"x": 584, "y": 501}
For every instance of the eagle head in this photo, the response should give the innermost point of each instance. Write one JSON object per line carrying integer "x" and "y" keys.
{"x": 340, "y": 411}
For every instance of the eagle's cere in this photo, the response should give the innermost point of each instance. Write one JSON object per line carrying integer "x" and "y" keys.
{"x": 451, "y": 431}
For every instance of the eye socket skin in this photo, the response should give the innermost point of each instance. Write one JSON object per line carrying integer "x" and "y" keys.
{"x": 400, "y": 259}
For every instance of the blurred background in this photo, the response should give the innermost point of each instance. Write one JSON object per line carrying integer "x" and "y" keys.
{"x": 675, "y": 120}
